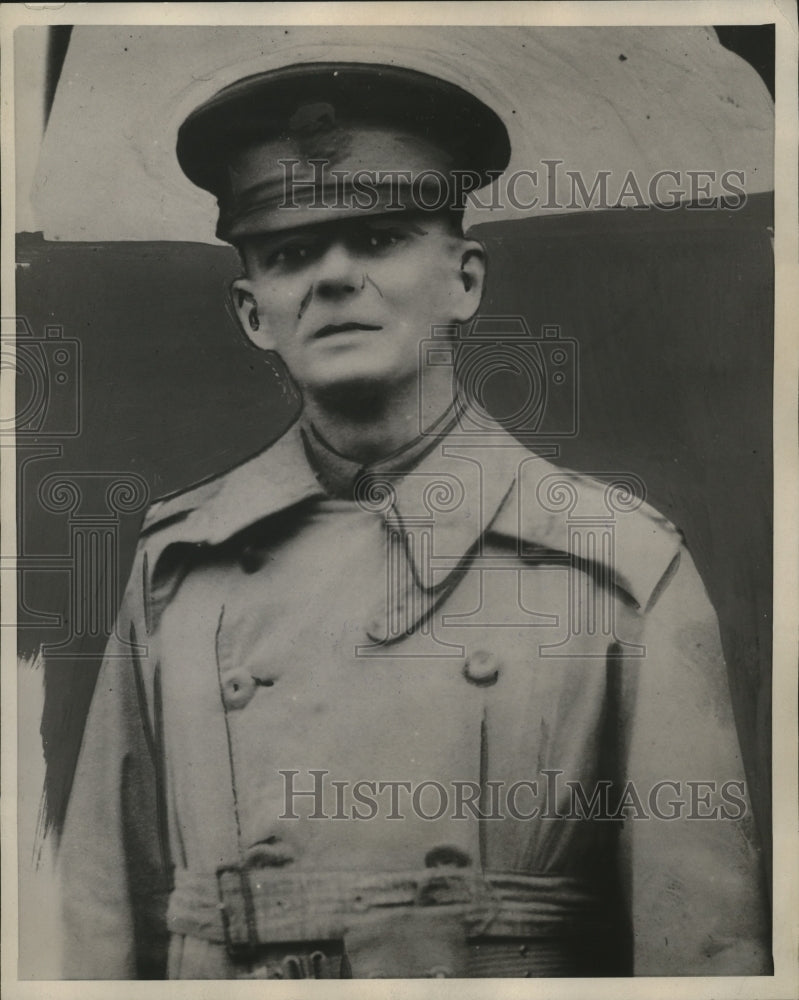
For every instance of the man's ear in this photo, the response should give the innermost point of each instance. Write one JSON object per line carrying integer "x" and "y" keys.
{"x": 245, "y": 307}
{"x": 472, "y": 280}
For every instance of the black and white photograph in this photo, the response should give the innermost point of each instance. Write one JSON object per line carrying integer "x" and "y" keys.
{"x": 398, "y": 574}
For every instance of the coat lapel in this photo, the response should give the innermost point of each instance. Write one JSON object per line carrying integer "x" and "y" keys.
{"x": 436, "y": 515}
{"x": 214, "y": 511}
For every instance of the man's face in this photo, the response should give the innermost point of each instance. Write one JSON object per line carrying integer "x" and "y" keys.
{"x": 349, "y": 301}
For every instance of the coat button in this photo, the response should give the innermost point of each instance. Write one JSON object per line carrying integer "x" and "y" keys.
{"x": 482, "y": 668}
{"x": 446, "y": 854}
{"x": 251, "y": 559}
{"x": 238, "y": 687}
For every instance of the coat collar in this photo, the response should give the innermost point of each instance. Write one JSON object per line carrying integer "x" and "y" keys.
{"x": 465, "y": 488}
{"x": 439, "y": 510}
{"x": 273, "y": 480}
{"x": 458, "y": 485}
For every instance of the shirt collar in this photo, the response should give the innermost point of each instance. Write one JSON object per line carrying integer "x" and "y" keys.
{"x": 339, "y": 475}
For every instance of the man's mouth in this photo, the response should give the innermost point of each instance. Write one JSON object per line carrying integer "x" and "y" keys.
{"x": 332, "y": 328}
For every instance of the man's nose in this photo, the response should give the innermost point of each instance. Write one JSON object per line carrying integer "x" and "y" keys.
{"x": 338, "y": 273}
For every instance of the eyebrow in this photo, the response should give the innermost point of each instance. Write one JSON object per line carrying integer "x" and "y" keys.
{"x": 392, "y": 224}
{"x": 286, "y": 239}
{"x": 268, "y": 244}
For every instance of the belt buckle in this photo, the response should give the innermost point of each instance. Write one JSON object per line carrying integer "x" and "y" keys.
{"x": 442, "y": 889}
{"x": 237, "y": 911}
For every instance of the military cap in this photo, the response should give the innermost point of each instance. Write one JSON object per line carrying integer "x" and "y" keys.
{"x": 313, "y": 141}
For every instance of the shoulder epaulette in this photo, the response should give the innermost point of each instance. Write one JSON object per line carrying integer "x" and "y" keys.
{"x": 559, "y": 510}
{"x": 179, "y": 505}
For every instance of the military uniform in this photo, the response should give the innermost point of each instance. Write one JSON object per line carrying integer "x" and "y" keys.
{"x": 425, "y": 631}
{"x": 355, "y": 721}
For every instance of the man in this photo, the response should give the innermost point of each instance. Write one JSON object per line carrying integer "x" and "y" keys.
{"x": 397, "y": 697}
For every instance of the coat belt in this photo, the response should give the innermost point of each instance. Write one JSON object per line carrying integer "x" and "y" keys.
{"x": 248, "y": 907}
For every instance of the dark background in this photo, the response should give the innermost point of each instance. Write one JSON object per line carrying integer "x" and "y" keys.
{"x": 673, "y": 314}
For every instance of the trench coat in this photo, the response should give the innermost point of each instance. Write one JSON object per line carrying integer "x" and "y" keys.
{"x": 473, "y": 722}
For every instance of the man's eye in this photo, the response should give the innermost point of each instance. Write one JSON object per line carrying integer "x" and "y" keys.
{"x": 381, "y": 239}
{"x": 292, "y": 255}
